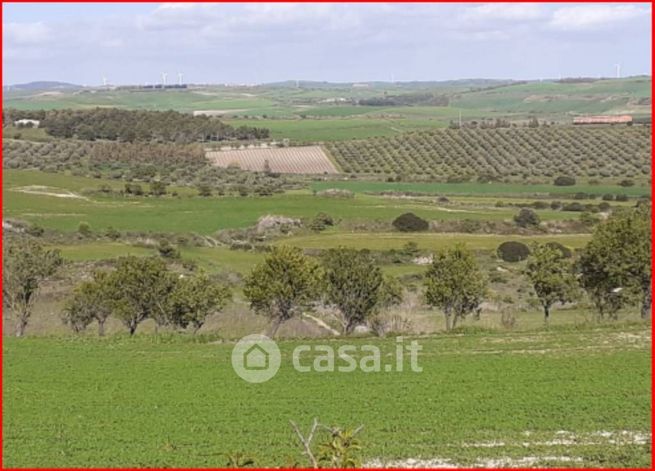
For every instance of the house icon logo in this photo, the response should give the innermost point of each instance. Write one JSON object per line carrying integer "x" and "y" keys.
{"x": 256, "y": 358}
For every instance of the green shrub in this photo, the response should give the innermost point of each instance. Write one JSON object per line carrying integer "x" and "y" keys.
{"x": 565, "y": 251}
{"x": 112, "y": 233}
{"x": 513, "y": 251}
{"x": 526, "y": 218}
{"x": 84, "y": 229}
{"x": 564, "y": 181}
{"x": 166, "y": 250}
{"x": 575, "y": 206}
{"x": 410, "y": 222}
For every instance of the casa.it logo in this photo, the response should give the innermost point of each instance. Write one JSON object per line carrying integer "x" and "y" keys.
{"x": 256, "y": 358}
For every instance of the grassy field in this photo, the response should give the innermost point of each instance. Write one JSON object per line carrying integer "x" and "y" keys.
{"x": 431, "y": 242}
{"x": 282, "y": 109}
{"x": 338, "y": 129}
{"x": 203, "y": 215}
{"x": 474, "y": 188}
{"x": 212, "y": 259}
{"x": 565, "y": 397}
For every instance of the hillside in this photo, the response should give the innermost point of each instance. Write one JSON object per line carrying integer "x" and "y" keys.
{"x": 505, "y": 153}
{"x": 317, "y": 111}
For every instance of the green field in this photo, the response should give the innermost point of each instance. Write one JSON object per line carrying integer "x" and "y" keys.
{"x": 430, "y": 242}
{"x": 303, "y": 113}
{"x": 204, "y": 215}
{"x": 473, "y": 188}
{"x": 337, "y": 129}
{"x": 566, "y": 397}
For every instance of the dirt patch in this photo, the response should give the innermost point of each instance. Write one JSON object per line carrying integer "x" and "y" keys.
{"x": 48, "y": 191}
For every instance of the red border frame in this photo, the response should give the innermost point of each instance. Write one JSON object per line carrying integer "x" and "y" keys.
{"x": 325, "y": 1}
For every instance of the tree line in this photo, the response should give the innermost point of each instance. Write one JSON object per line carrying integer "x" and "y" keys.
{"x": 135, "y": 125}
{"x": 614, "y": 269}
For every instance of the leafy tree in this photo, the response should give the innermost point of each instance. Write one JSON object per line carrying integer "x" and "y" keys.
{"x": 454, "y": 284}
{"x": 25, "y": 265}
{"x": 140, "y": 289}
{"x": 551, "y": 276}
{"x": 615, "y": 266}
{"x": 91, "y": 301}
{"x": 391, "y": 292}
{"x": 526, "y": 218}
{"x": 282, "y": 285}
{"x": 195, "y": 298}
{"x": 353, "y": 284}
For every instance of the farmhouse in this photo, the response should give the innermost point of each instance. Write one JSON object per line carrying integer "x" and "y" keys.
{"x": 27, "y": 123}
{"x": 619, "y": 119}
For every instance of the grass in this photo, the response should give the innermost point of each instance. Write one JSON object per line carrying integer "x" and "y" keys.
{"x": 164, "y": 401}
{"x": 213, "y": 259}
{"x": 204, "y": 215}
{"x": 425, "y": 241}
{"x": 474, "y": 188}
{"x": 337, "y": 128}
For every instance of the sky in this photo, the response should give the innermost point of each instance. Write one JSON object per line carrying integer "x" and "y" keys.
{"x": 133, "y": 43}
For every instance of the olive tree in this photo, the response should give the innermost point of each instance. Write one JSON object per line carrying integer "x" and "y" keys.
{"x": 91, "y": 301}
{"x": 551, "y": 276}
{"x": 615, "y": 266}
{"x": 454, "y": 283}
{"x": 25, "y": 265}
{"x": 140, "y": 289}
{"x": 284, "y": 284}
{"x": 196, "y": 297}
{"x": 354, "y": 284}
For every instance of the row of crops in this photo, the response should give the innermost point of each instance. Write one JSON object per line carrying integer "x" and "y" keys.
{"x": 595, "y": 152}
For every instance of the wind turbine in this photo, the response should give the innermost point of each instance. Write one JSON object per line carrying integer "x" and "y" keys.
{"x": 180, "y": 75}
{"x": 104, "y": 81}
{"x": 163, "y": 78}
{"x": 618, "y": 70}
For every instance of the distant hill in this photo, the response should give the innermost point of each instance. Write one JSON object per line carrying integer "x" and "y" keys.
{"x": 45, "y": 85}
{"x": 471, "y": 83}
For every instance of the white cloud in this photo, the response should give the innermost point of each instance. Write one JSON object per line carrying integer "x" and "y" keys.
{"x": 503, "y": 12}
{"x": 26, "y": 33}
{"x": 595, "y": 17}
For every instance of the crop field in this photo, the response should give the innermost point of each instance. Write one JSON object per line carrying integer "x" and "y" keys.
{"x": 545, "y": 152}
{"x": 564, "y": 398}
{"x": 518, "y": 383}
{"x": 330, "y": 128}
{"x": 302, "y": 160}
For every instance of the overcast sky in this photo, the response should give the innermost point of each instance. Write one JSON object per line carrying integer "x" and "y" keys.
{"x": 256, "y": 43}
